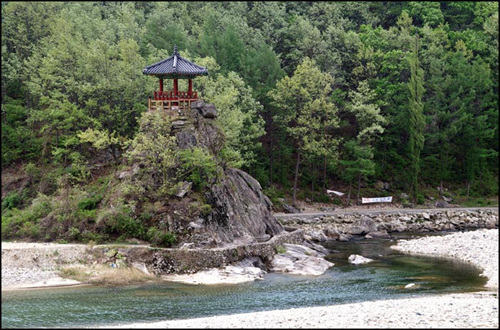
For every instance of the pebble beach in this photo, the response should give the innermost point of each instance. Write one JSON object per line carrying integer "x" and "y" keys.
{"x": 465, "y": 310}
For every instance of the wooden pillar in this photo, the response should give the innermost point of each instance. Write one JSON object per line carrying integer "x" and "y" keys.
{"x": 190, "y": 87}
{"x": 176, "y": 87}
{"x": 161, "y": 84}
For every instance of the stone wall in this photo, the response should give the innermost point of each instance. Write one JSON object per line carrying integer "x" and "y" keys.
{"x": 184, "y": 260}
{"x": 371, "y": 224}
{"x": 337, "y": 226}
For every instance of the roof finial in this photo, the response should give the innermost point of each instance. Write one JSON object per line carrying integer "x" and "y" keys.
{"x": 175, "y": 50}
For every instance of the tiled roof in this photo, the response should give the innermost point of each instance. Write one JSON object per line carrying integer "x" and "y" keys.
{"x": 175, "y": 66}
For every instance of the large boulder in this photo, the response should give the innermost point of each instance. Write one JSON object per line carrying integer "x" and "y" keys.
{"x": 300, "y": 260}
{"x": 207, "y": 110}
{"x": 240, "y": 210}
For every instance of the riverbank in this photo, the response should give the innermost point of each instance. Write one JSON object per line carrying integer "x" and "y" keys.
{"x": 467, "y": 310}
{"x": 35, "y": 265}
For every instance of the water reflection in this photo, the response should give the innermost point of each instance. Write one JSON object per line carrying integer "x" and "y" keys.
{"x": 384, "y": 278}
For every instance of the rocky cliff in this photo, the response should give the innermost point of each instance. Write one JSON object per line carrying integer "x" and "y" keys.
{"x": 228, "y": 208}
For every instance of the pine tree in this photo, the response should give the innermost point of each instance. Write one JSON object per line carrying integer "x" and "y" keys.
{"x": 416, "y": 121}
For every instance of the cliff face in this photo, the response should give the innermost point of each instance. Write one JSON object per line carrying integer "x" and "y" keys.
{"x": 234, "y": 209}
{"x": 240, "y": 211}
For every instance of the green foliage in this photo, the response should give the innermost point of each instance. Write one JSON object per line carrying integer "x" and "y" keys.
{"x": 25, "y": 223}
{"x": 161, "y": 237}
{"x": 154, "y": 147}
{"x": 119, "y": 221}
{"x": 306, "y": 115}
{"x": 18, "y": 140}
{"x": 198, "y": 166}
{"x": 73, "y": 95}
{"x": 238, "y": 112}
{"x": 205, "y": 210}
{"x": 89, "y": 203}
{"x": 12, "y": 200}
{"x": 280, "y": 249}
{"x": 416, "y": 120}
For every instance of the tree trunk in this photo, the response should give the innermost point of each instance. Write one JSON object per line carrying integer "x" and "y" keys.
{"x": 295, "y": 180}
{"x": 359, "y": 188}
{"x": 271, "y": 158}
{"x": 324, "y": 173}
{"x": 312, "y": 180}
{"x": 349, "y": 194}
{"x": 468, "y": 189}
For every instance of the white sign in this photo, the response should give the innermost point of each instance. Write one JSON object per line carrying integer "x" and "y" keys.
{"x": 338, "y": 193}
{"x": 376, "y": 200}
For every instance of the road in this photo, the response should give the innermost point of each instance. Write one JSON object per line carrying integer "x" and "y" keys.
{"x": 376, "y": 211}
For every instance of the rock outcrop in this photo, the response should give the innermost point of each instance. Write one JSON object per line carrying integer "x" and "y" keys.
{"x": 240, "y": 211}
{"x": 300, "y": 260}
{"x": 226, "y": 207}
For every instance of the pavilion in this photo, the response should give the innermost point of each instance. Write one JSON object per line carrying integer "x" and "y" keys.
{"x": 175, "y": 67}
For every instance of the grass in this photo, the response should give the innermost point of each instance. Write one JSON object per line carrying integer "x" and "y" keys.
{"x": 280, "y": 249}
{"x": 105, "y": 275}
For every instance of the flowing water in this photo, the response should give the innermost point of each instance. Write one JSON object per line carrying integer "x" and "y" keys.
{"x": 384, "y": 278}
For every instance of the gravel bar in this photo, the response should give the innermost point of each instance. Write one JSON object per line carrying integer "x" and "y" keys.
{"x": 464, "y": 310}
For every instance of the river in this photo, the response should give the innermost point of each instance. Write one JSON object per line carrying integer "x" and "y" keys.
{"x": 384, "y": 278}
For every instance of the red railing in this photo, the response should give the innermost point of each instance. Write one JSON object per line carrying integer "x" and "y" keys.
{"x": 171, "y": 96}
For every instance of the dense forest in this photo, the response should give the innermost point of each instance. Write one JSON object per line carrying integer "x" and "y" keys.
{"x": 311, "y": 95}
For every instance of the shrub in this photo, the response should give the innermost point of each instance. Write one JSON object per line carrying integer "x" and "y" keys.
{"x": 420, "y": 199}
{"x": 89, "y": 203}
{"x": 33, "y": 171}
{"x": 73, "y": 233}
{"x": 280, "y": 249}
{"x": 205, "y": 210}
{"x": 29, "y": 229}
{"x": 12, "y": 200}
{"x": 161, "y": 237}
{"x": 120, "y": 221}
{"x": 274, "y": 195}
{"x": 93, "y": 237}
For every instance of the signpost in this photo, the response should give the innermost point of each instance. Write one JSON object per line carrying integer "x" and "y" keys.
{"x": 376, "y": 200}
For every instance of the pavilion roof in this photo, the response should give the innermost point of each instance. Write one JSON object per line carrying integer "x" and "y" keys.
{"x": 175, "y": 66}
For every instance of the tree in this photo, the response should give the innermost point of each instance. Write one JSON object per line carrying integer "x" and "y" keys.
{"x": 416, "y": 122}
{"x": 155, "y": 148}
{"x": 358, "y": 158}
{"x": 238, "y": 112}
{"x": 306, "y": 113}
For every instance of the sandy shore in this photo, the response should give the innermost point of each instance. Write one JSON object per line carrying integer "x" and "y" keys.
{"x": 468, "y": 310}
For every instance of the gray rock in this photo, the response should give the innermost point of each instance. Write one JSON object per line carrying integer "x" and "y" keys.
{"x": 345, "y": 237}
{"x": 316, "y": 235}
{"x": 186, "y": 139}
{"x": 240, "y": 208}
{"x": 331, "y": 233}
{"x": 447, "y": 200}
{"x": 356, "y": 259}
{"x": 442, "y": 204}
{"x": 290, "y": 209}
{"x": 184, "y": 188}
{"x": 378, "y": 234}
{"x": 356, "y": 230}
{"x": 263, "y": 238}
{"x": 316, "y": 247}
{"x": 205, "y": 109}
{"x": 300, "y": 260}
